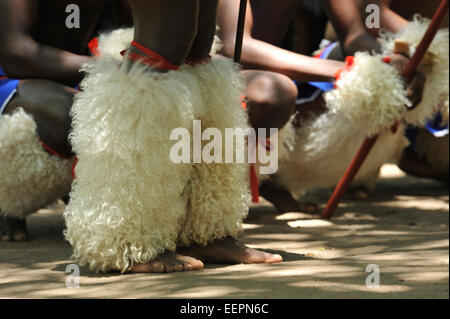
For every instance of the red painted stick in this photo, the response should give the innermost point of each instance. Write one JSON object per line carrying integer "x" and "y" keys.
{"x": 366, "y": 147}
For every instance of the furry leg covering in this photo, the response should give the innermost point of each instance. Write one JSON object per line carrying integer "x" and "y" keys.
{"x": 128, "y": 201}
{"x": 435, "y": 66}
{"x": 372, "y": 94}
{"x": 218, "y": 192}
{"x": 324, "y": 146}
{"x": 30, "y": 178}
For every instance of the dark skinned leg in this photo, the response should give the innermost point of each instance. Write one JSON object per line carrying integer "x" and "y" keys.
{"x": 227, "y": 250}
{"x": 49, "y": 103}
{"x": 156, "y": 21}
{"x": 272, "y": 103}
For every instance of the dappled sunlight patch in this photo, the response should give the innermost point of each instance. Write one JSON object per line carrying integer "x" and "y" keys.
{"x": 206, "y": 292}
{"x": 423, "y": 204}
{"x": 293, "y": 216}
{"x": 391, "y": 171}
{"x": 285, "y": 237}
{"x": 315, "y": 270}
{"x": 311, "y": 223}
{"x": 353, "y": 216}
{"x": 346, "y": 287}
{"x": 364, "y": 250}
{"x": 246, "y": 226}
{"x": 430, "y": 245}
{"x": 424, "y": 276}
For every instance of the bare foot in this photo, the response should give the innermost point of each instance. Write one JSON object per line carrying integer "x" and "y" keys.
{"x": 230, "y": 251}
{"x": 168, "y": 262}
{"x": 283, "y": 201}
{"x": 12, "y": 229}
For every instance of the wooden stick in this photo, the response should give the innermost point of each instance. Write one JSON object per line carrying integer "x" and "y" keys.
{"x": 366, "y": 147}
{"x": 240, "y": 31}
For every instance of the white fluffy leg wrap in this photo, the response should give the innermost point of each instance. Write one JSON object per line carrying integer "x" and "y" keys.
{"x": 30, "y": 178}
{"x": 111, "y": 44}
{"x": 128, "y": 200}
{"x": 326, "y": 145}
{"x": 371, "y": 94}
{"x": 435, "y": 66}
{"x": 218, "y": 192}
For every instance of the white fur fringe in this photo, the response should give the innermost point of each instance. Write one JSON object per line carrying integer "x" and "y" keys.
{"x": 325, "y": 145}
{"x": 435, "y": 66}
{"x": 112, "y": 43}
{"x": 371, "y": 94}
{"x": 130, "y": 202}
{"x": 30, "y": 178}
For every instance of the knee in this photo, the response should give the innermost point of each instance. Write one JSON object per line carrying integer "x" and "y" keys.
{"x": 49, "y": 103}
{"x": 272, "y": 100}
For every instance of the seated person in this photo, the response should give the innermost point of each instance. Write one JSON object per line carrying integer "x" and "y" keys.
{"x": 40, "y": 64}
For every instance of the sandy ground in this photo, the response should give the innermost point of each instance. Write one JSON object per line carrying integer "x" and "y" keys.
{"x": 402, "y": 228}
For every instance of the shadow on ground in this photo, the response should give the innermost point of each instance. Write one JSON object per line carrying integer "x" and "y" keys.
{"x": 402, "y": 228}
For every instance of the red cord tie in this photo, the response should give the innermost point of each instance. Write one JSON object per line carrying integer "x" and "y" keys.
{"x": 50, "y": 150}
{"x": 150, "y": 58}
{"x": 254, "y": 187}
{"x": 349, "y": 62}
{"x": 93, "y": 47}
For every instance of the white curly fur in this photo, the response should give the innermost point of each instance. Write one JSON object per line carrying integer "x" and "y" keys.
{"x": 324, "y": 147}
{"x": 114, "y": 42}
{"x": 129, "y": 202}
{"x": 371, "y": 94}
{"x": 30, "y": 178}
{"x": 218, "y": 193}
{"x": 435, "y": 66}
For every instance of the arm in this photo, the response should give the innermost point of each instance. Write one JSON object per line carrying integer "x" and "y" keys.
{"x": 261, "y": 55}
{"x": 391, "y": 21}
{"x": 22, "y": 57}
{"x": 347, "y": 21}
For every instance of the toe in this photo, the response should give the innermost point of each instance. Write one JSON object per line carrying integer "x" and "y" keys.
{"x": 198, "y": 264}
{"x": 178, "y": 267}
{"x": 169, "y": 268}
{"x": 188, "y": 266}
{"x": 271, "y": 259}
{"x": 158, "y": 267}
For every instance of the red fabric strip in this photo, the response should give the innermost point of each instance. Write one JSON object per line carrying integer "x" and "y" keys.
{"x": 50, "y": 150}
{"x": 254, "y": 187}
{"x": 150, "y": 58}
{"x": 93, "y": 47}
{"x": 349, "y": 61}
